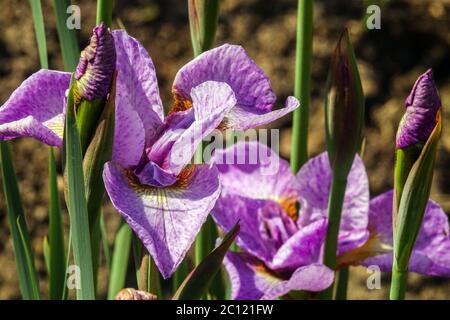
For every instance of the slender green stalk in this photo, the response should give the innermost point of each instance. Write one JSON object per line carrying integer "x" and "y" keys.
{"x": 55, "y": 250}
{"x": 342, "y": 284}
{"x": 28, "y": 278}
{"x": 203, "y": 16}
{"x": 105, "y": 245}
{"x": 335, "y": 203}
{"x": 302, "y": 85}
{"x": 398, "y": 283}
{"x": 57, "y": 257}
{"x": 120, "y": 258}
{"x": 67, "y": 37}
{"x": 38, "y": 20}
{"x": 104, "y": 12}
{"x": 65, "y": 294}
{"x": 146, "y": 271}
{"x": 205, "y": 240}
{"x": 179, "y": 276}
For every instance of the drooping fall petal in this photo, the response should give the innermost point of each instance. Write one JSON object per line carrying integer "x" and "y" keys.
{"x": 36, "y": 108}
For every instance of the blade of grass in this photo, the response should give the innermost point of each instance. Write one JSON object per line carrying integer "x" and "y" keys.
{"x": 28, "y": 279}
{"x": 104, "y": 12}
{"x": 302, "y": 84}
{"x": 57, "y": 258}
{"x": 54, "y": 244}
{"x": 77, "y": 205}
{"x": 119, "y": 263}
{"x": 67, "y": 37}
{"x": 38, "y": 20}
{"x": 105, "y": 245}
{"x": 65, "y": 294}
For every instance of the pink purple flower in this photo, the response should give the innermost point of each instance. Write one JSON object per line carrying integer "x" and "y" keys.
{"x": 283, "y": 221}
{"x": 162, "y": 197}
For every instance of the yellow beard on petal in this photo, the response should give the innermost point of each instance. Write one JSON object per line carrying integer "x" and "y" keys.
{"x": 181, "y": 103}
{"x": 290, "y": 206}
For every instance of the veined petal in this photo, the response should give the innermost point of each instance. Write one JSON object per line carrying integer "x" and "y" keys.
{"x": 36, "y": 108}
{"x": 166, "y": 220}
{"x": 251, "y": 280}
{"x": 431, "y": 253}
{"x": 129, "y": 137}
{"x": 211, "y": 101}
{"x": 254, "y": 170}
{"x": 137, "y": 85}
{"x": 229, "y": 64}
{"x": 315, "y": 181}
{"x": 232, "y": 208}
{"x": 303, "y": 248}
{"x": 243, "y": 118}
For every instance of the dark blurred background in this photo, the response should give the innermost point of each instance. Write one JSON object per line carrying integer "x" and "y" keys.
{"x": 414, "y": 36}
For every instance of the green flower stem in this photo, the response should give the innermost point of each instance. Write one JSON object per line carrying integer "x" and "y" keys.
{"x": 147, "y": 275}
{"x": 302, "y": 85}
{"x": 67, "y": 37}
{"x": 342, "y": 284}
{"x": 335, "y": 203}
{"x": 398, "y": 283}
{"x": 26, "y": 271}
{"x": 120, "y": 257}
{"x": 104, "y": 12}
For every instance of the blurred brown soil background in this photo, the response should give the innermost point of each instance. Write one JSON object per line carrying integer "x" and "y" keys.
{"x": 414, "y": 36}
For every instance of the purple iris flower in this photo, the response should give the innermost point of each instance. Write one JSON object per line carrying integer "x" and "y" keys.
{"x": 162, "y": 197}
{"x": 422, "y": 106}
{"x": 283, "y": 221}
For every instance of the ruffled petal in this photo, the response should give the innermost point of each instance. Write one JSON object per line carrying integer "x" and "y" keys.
{"x": 229, "y": 64}
{"x": 166, "y": 220}
{"x": 230, "y": 209}
{"x": 129, "y": 137}
{"x": 315, "y": 181}
{"x": 137, "y": 85}
{"x": 251, "y": 280}
{"x": 303, "y": 248}
{"x": 36, "y": 108}
{"x": 254, "y": 170}
{"x": 431, "y": 253}
{"x": 211, "y": 101}
{"x": 242, "y": 118}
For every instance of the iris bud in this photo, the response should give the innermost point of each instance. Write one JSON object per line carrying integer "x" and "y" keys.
{"x": 96, "y": 66}
{"x": 419, "y": 119}
{"x": 344, "y": 107}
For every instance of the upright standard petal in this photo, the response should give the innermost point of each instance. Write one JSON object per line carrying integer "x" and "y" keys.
{"x": 211, "y": 101}
{"x": 251, "y": 280}
{"x": 431, "y": 253}
{"x": 314, "y": 187}
{"x": 229, "y": 64}
{"x": 165, "y": 219}
{"x": 243, "y": 118}
{"x": 137, "y": 85}
{"x": 36, "y": 108}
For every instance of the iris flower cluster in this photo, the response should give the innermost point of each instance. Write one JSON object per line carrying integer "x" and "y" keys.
{"x": 165, "y": 198}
